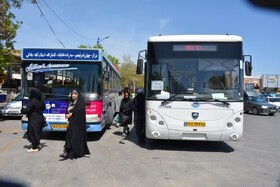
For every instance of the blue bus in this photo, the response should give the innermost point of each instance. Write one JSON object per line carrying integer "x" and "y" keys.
{"x": 55, "y": 72}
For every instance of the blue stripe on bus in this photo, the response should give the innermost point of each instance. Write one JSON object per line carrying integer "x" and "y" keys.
{"x": 91, "y": 127}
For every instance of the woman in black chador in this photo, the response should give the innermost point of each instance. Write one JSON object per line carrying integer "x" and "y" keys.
{"x": 126, "y": 113}
{"x": 36, "y": 120}
{"x": 139, "y": 116}
{"x": 76, "y": 136}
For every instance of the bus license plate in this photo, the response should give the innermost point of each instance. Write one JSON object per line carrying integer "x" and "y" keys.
{"x": 195, "y": 124}
{"x": 59, "y": 126}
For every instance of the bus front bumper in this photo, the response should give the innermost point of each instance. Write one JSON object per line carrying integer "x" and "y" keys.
{"x": 91, "y": 127}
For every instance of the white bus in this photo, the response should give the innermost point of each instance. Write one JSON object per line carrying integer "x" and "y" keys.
{"x": 194, "y": 87}
{"x": 57, "y": 71}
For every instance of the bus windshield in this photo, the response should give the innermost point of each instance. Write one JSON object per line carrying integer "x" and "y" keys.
{"x": 201, "y": 71}
{"x": 56, "y": 79}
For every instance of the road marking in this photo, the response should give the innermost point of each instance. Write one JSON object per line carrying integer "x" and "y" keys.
{"x": 10, "y": 130}
{"x": 10, "y": 144}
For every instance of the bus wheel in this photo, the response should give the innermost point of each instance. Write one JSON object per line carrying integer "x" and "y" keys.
{"x": 271, "y": 114}
{"x": 255, "y": 111}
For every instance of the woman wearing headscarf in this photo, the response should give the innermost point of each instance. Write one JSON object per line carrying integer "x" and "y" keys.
{"x": 139, "y": 116}
{"x": 76, "y": 136}
{"x": 36, "y": 120}
{"x": 126, "y": 113}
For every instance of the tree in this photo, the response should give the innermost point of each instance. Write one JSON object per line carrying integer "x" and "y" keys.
{"x": 129, "y": 77}
{"x": 113, "y": 59}
{"x": 8, "y": 29}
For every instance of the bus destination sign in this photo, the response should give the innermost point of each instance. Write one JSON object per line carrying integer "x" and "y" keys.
{"x": 60, "y": 54}
{"x": 195, "y": 47}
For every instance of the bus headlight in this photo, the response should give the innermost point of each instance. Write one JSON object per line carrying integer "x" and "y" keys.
{"x": 153, "y": 118}
{"x": 160, "y": 123}
{"x": 229, "y": 124}
{"x": 264, "y": 107}
{"x": 237, "y": 119}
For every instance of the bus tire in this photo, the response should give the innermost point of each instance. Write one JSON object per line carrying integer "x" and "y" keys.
{"x": 271, "y": 114}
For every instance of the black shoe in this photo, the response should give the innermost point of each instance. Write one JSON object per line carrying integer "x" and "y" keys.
{"x": 66, "y": 158}
{"x": 64, "y": 155}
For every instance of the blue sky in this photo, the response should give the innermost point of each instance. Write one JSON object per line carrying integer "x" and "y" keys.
{"x": 129, "y": 23}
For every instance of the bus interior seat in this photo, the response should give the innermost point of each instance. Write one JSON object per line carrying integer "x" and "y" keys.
{"x": 69, "y": 82}
{"x": 57, "y": 82}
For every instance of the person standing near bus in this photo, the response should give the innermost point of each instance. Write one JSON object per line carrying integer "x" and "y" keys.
{"x": 76, "y": 136}
{"x": 126, "y": 113}
{"x": 118, "y": 105}
{"x": 36, "y": 119}
{"x": 139, "y": 116}
{"x": 10, "y": 96}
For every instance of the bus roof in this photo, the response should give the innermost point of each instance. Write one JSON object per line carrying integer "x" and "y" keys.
{"x": 196, "y": 38}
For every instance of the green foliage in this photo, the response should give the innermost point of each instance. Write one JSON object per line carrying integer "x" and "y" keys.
{"x": 113, "y": 59}
{"x": 8, "y": 30}
{"x": 5, "y": 59}
{"x": 129, "y": 77}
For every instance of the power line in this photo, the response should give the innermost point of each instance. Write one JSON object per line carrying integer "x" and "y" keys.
{"x": 66, "y": 23}
{"x": 74, "y": 31}
{"x": 49, "y": 24}
{"x": 120, "y": 49}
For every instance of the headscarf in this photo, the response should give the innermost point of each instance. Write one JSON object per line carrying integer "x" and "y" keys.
{"x": 140, "y": 91}
{"x": 35, "y": 93}
{"x": 72, "y": 102}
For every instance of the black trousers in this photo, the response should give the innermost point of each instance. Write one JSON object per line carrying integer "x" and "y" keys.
{"x": 139, "y": 124}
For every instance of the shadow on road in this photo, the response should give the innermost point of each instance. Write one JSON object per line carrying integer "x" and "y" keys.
{"x": 60, "y": 136}
{"x": 176, "y": 145}
{"x": 197, "y": 146}
{"x": 9, "y": 183}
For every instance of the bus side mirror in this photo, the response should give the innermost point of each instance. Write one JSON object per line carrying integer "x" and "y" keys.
{"x": 248, "y": 68}
{"x": 139, "y": 68}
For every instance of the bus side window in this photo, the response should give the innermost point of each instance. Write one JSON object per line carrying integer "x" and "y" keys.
{"x": 69, "y": 82}
{"x": 57, "y": 82}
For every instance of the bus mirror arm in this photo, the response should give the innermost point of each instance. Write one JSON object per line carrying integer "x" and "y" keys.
{"x": 140, "y": 62}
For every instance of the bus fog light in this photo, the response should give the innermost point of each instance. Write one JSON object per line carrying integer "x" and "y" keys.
{"x": 234, "y": 137}
{"x": 229, "y": 124}
{"x": 155, "y": 133}
{"x": 238, "y": 119}
{"x": 161, "y": 123}
{"x": 153, "y": 117}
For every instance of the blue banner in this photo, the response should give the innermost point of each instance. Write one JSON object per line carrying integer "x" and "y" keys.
{"x": 60, "y": 54}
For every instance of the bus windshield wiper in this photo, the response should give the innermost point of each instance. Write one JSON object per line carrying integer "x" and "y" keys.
{"x": 169, "y": 99}
{"x": 224, "y": 102}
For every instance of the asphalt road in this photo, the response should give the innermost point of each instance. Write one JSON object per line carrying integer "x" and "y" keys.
{"x": 114, "y": 161}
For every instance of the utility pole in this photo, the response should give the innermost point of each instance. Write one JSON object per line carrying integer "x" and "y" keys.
{"x": 100, "y": 40}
